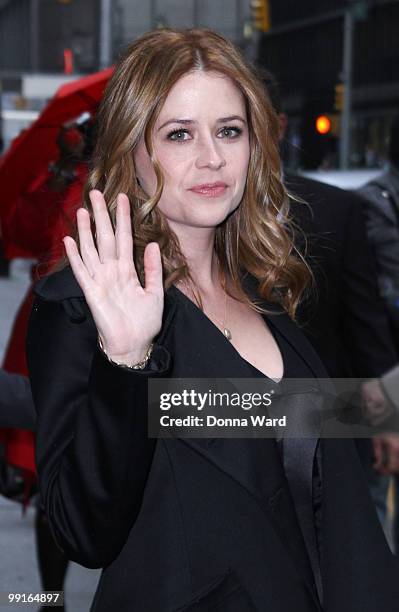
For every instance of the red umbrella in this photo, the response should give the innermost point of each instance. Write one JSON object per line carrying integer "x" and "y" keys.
{"x": 30, "y": 153}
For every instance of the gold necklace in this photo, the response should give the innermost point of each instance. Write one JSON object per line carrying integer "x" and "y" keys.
{"x": 225, "y": 330}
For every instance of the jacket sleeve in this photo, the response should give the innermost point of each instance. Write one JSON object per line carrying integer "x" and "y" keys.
{"x": 16, "y": 403}
{"x": 383, "y": 233}
{"x": 93, "y": 455}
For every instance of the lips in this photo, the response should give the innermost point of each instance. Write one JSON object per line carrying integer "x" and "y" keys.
{"x": 210, "y": 189}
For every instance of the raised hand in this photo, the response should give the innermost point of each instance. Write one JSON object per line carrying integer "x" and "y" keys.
{"x": 127, "y": 315}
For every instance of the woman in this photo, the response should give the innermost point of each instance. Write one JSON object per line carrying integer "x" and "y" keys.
{"x": 186, "y": 132}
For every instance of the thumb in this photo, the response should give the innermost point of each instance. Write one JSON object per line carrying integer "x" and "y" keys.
{"x": 378, "y": 453}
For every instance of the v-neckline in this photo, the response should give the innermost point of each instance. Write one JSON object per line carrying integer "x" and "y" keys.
{"x": 233, "y": 348}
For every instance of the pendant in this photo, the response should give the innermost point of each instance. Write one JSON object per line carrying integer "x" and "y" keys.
{"x": 227, "y": 333}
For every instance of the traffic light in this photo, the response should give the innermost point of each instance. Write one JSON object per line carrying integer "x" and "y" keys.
{"x": 260, "y": 11}
{"x": 328, "y": 124}
{"x": 323, "y": 124}
{"x": 339, "y": 97}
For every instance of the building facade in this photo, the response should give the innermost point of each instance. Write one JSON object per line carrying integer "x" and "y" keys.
{"x": 304, "y": 49}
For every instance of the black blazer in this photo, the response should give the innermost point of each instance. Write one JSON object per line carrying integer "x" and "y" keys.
{"x": 346, "y": 321}
{"x": 188, "y": 524}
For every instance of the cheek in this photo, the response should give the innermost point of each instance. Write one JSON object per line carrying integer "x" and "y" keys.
{"x": 176, "y": 173}
{"x": 174, "y": 162}
{"x": 241, "y": 161}
{"x": 239, "y": 165}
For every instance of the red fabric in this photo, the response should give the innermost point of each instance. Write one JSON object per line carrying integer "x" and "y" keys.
{"x": 72, "y": 137}
{"x": 40, "y": 217}
{"x": 39, "y": 221}
{"x": 30, "y": 154}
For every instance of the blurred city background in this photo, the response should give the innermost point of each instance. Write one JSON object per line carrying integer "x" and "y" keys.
{"x": 336, "y": 61}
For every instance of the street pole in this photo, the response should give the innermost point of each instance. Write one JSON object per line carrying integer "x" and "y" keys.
{"x": 344, "y": 145}
{"x": 105, "y": 34}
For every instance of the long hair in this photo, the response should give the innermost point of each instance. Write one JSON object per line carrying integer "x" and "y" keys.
{"x": 256, "y": 238}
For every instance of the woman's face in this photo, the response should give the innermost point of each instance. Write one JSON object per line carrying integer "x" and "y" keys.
{"x": 201, "y": 141}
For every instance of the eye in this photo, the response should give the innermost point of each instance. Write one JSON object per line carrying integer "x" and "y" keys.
{"x": 230, "y": 132}
{"x": 178, "y": 135}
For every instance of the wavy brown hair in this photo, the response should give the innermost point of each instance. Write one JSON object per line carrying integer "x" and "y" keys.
{"x": 256, "y": 238}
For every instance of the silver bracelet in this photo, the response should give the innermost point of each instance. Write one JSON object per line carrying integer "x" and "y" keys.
{"x": 137, "y": 366}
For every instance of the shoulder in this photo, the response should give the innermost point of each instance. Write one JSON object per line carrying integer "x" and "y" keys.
{"x": 318, "y": 193}
{"x": 327, "y": 212}
{"x": 58, "y": 286}
{"x": 60, "y": 291}
{"x": 377, "y": 189}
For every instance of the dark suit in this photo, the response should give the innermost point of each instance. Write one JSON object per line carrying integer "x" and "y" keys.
{"x": 346, "y": 321}
{"x": 188, "y": 524}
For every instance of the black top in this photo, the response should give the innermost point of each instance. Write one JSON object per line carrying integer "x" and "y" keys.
{"x": 309, "y": 515}
{"x": 294, "y": 365}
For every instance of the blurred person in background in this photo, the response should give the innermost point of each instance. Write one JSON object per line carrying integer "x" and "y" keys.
{"x": 16, "y": 411}
{"x": 381, "y": 208}
{"x": 39, "y": 219}
{"x": 344, "y": 318}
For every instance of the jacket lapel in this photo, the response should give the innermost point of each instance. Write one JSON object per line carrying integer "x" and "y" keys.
{"x": 299, "y": 451}
{"x": 200, "y": 350}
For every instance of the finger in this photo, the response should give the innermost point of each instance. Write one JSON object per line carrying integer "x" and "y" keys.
{"x": 385, "y": 455}
{"x": 153, "y": 269}
{"x": 377, "y": 413}
{"x": 78, "y": 267}
{"x": 123, "y": 231}
{"x": 390, "y": 459}
{"x": 88, "y": 250}
{"x": 393, "y": 457}
{"x": 104, "y": 232}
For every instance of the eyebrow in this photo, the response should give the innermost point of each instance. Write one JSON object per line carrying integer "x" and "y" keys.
{"x": 191, "y": 121}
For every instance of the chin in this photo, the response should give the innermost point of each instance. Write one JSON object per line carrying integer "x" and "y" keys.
{"x": 207, "y": 214}
{"x": 209, "y": 219}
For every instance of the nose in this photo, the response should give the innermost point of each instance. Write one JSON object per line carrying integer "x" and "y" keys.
{"x": 210, "y": 155}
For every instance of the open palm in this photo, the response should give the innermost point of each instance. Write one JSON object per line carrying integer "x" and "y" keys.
{"x": 127, "y": 315}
